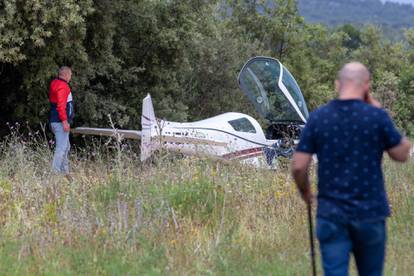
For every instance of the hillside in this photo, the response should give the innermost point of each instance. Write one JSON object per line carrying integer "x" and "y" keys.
{"x": 336, "y": 12}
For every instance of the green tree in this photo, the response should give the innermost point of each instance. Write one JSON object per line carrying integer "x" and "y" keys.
{"x": 403, "y": 110}
{"x": 187, "y": 54}
{"x": 354, "y": 36}
{"x": 35, "y": 38}
{"x": 409, "y": 36}
{"x": 387, "y": 90}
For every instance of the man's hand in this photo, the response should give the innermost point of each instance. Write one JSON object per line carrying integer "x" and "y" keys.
{"x": 300, "y": 167}
{"x": 66, "y": 126}
{"x": 307, "y": 195}
{"x": 372, "y": 101}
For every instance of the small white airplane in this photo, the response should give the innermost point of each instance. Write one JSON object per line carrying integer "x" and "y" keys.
{"x": 231, "y": 136}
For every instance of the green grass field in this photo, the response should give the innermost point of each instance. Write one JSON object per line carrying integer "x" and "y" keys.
{"x": 174, "y": 216}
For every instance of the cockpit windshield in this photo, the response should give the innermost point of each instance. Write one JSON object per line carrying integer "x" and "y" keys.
{"x": 294, "y": 90}
{"x": 273, "y": 90}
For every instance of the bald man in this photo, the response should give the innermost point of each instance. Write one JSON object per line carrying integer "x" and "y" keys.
{"x": 60, "y": 118}
{"x": 349, "y": 136}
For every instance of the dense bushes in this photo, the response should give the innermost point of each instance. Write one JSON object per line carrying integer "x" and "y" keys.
{"x": 185, "y": 53}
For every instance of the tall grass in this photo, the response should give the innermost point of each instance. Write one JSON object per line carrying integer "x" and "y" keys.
{"x": 175, "y": 216}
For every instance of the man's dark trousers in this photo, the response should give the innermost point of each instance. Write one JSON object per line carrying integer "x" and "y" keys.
{"x": 366, "y": 239}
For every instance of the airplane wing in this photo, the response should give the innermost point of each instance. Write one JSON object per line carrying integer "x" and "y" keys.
{"x": 129, "y": 134}
{"x": 134, "y": 134}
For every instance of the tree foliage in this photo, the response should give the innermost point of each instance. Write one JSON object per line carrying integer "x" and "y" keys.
{"x": 186, "y": 53}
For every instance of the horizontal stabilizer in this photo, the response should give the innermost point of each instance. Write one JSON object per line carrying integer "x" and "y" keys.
{"x": 128, "y": 134}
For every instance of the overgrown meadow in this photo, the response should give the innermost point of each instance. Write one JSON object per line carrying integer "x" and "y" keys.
{"x": 178, "y": 216}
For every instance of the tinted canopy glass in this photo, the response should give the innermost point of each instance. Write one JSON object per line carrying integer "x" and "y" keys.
{"x": 242, "y": 125}
{"x": 273, "y": 90}
{"x": 294, "y": 90}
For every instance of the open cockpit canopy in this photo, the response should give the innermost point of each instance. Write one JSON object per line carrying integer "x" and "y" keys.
{"x": 273, "y": 91}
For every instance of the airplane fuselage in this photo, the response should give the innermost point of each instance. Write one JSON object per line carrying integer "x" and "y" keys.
{"x": 229, "y": 136}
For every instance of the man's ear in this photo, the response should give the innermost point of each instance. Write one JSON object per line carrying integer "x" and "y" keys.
{"x": 337, "y": 86}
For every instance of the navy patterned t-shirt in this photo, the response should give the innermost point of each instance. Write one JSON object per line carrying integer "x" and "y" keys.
{"x": 349, "y": 138}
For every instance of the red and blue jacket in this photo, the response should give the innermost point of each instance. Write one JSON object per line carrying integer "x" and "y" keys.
{"x": 61, "y": 102}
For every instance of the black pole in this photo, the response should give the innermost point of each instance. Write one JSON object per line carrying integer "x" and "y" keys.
{"x": 312, "y": 245}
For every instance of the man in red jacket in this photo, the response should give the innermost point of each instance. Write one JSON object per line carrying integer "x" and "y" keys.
{"x": 60, "y": 118}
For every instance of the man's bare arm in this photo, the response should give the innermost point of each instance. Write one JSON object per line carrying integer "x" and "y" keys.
{"x": 300, "y": 171}
{"x": 400, "y": 152}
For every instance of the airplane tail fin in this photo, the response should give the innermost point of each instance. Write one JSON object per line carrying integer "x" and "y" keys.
{"x": 148, "y": 124}
{"x": 148, "y": 114}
